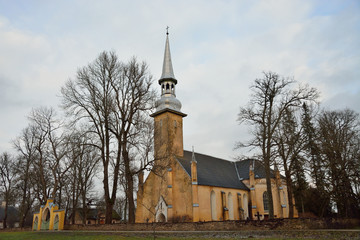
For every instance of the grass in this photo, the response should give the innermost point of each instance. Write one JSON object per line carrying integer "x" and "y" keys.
{"x": 62, "y": 236}
{"x": 67, "y": 235}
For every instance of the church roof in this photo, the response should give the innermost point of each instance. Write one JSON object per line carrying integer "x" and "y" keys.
{"x": 213, "y": 171}
{"x": 244, "y": 165}
{"x": 218, "y": 172}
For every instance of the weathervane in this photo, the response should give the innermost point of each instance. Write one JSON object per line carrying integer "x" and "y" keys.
{"x": 167, "y": 30}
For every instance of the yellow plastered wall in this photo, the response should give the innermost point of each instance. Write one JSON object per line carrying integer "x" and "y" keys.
{"x": 281, "y": 205}
{"x": 170, "y": 182}
{"x": 168, "y": 135}
{"x": 205, "y": 203}
{"x": 174, "y": 186}
{"x": 148, "y": 197}
{"x": 182, "y": 194}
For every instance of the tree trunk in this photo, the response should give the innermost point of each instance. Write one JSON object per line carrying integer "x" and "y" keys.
{"x": 266, "y": 157}
{"x": 108, "y": 212}
{"x": 130, "y": 186}
{"x": 269, "y": 190}
{"x": 5, "y": 215}
{"x": 24, "y": 207}
{"x": 84, "y": 207}
{"x": 73, "y": 204}
{"x": 290, "y": 194}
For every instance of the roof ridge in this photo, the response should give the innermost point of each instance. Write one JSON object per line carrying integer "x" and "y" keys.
{"x": 210, "y": 156}
{"x": 237, "y": 172}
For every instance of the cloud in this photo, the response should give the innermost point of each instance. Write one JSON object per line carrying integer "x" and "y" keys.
{"x": 218, "y": 49}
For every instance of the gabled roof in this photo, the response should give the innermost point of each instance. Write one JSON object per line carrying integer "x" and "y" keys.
{"x": 213, "y": 171}
{"x": 11, "y": 212}
{"x": 93, "y": 213}
{"x": 244, "y": 166}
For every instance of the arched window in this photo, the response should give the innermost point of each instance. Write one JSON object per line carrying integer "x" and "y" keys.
{"x": 46, "y": 215}
{"x": 231, "y": 207}
{"x": 45, "y": 220}
{"x": 213, "y": 205}
{"x": 266, "y": 201}
{"x": 56, "y": 222}
{"x": 240, "y": 207}
{"x": 36, "y": 222}
{"x": 245, "y": 206}
{"x": 284, "y": 197}
{"x": 167, "y": 86}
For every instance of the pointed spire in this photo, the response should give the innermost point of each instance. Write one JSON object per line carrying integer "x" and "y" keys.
{"x": 252, "y": 165}
{"x": 167, "y": 71}
{"x": 168, "y": 100}
{"x": 193, "y": 159}
{"x": 276, "y": 167}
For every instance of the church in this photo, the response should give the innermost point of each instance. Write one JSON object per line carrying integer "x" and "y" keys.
{"x": 185, "y": 186}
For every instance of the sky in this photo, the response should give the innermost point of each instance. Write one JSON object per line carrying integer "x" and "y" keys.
{"x": 218, "y": 49}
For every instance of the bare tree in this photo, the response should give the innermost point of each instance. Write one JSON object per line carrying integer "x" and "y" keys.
{"x": 86, "y": 161}
{"x": 25, "y": 146}
{"x": 315, "y": 163}
{"x": 89, "y": 97}
{"x": 50, "y": 145}
{"x": 7, "y": 176}
{"x": 340, "y": 146}
{"x": 133, "y": 101}
{"x": 42, "y": 180}
{"x": 112, "y": 96}
{"x": 290, "y": 142}
{"x": 271, "y": 97}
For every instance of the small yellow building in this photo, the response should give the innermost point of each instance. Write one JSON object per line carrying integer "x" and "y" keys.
{"x": 185, "y": 186}
{"x": 49, "y": 217}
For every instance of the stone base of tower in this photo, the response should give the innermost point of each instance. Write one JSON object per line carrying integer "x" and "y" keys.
{"x": 161, "y": 199}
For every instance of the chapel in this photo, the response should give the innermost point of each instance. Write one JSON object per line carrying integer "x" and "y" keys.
{"x": 185, "y": 186}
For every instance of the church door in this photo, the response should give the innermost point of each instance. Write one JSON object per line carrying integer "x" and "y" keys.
{"x": 161, "y": 218}
{"x": 161, "y": 210}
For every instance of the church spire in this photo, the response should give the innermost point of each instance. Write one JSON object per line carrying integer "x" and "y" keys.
{"x": 167, "y": 70}
{"x": 168, "y": 100}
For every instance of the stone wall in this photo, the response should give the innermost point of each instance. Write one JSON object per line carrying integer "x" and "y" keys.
{"x": 276, "y": 224}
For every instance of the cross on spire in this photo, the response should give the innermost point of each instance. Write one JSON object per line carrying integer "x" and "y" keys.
{"x": 167, "y": 30}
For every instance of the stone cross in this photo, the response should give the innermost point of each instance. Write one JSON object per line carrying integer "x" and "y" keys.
{"x": 258, "y": 215}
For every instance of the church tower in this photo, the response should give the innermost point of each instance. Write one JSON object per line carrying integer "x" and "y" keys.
{"x": 168, "y": 132}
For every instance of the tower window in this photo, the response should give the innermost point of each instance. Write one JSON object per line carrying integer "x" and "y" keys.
{"x": 167, "y": 86}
